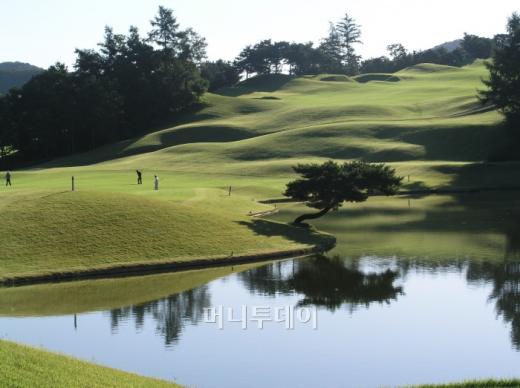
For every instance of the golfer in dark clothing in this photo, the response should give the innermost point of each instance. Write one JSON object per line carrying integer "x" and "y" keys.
{"x": 8, "y": 178}
{"x": 139, "y": 177}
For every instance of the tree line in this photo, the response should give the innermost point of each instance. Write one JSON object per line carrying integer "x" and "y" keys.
{"x": 471, "y": 47}
{"x": 337, "y": 54}
{"x": 127, "y": 85}
{"x": 132, "y": 83}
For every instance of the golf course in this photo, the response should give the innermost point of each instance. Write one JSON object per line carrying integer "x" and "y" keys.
{"x": 424, "y": 121}
{"x": 223, "y": 169}
{"x": 206, "y": 194}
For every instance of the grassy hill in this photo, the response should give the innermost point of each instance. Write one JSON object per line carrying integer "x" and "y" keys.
{"x": 426, "y": 113}
{"x": 54, "y": 232}
{"x": 425, "y": 120}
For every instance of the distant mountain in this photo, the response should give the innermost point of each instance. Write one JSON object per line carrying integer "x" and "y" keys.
{"x": 449, "y": 46}
{"x": 15, "y": 74}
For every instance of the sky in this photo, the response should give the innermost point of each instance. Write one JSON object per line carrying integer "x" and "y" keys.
{"x": 42, "y": 32}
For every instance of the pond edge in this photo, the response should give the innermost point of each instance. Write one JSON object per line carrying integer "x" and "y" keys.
{"x": 165, "y": 266}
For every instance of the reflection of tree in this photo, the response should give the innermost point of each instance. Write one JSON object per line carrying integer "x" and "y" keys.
{"x": 505, "y": 278}
{"x": 327, "y": 282}
{"x": 170, "y": 314}
{"x": 324, "y": 282}
{"x": 513, "y": 243}
{"x": 270, "y": 279}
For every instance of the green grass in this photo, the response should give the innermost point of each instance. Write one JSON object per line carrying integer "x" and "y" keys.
{"x": 476, "y": 384}
{"x": 74, "y": 231}
{"x": 22, "y": 366}
{"x": 431, "y": 114}
{"x": 431, "y": 228}
{"x": 429, "y": 125}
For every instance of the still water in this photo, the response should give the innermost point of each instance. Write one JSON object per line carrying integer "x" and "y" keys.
{"x": 380, "y": 321}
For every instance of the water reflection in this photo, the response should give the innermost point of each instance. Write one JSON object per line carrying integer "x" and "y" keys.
{"x": 332, "y": 283}
{"x": 368, "y": 307}
{"x": 505, "y": 278}
{"x": 512, "y": 243}
{"x": 320, "y": 281}
{"x": 326, "y": 282}
{"x": 169, "y": 314}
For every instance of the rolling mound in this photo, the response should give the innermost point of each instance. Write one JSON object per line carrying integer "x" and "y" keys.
{"x": 430, "y": 68}
{"x": 81, "y": 230}
{"x": 426, "y": 116}
{"x": 335, "y": 78}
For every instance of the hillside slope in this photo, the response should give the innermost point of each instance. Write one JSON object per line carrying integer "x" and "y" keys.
{"x": 425, "y": 118}
{"x": 423, "y": 113}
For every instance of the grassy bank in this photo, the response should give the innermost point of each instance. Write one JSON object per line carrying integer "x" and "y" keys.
{"x": 68, "y": 232}
{"x": 22, "y": 366}
{"x": 104, "y": 294}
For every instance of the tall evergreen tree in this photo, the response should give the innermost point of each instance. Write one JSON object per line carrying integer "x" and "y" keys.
{"x": 504, "y": 74}
{"x": 331, "y": 47}
{"x": 165, "y": 29}
{"x": 192, "y": 46}
{"x": 349, "y": 33}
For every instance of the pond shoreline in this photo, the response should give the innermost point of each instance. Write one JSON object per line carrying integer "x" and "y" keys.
{"x": 162, "y": 267}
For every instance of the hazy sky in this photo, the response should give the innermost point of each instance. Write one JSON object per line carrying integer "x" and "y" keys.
{"x": 44, "y": 31}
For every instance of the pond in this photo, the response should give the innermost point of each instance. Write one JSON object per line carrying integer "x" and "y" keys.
{"x": 361, "y": 319}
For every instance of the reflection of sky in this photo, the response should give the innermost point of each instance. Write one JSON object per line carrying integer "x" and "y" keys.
{"x": 441, "y": 329}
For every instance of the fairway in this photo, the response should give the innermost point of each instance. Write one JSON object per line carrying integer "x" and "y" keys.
{"x": 425, "y": 120}
{"x": 430, "y": 114}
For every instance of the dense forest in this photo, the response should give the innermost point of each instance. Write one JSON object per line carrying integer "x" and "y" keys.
{"x": 132, "y": 83}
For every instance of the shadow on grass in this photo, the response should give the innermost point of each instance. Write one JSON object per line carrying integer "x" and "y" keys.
{"x": 498, "y": 176}
{"x": 364, "y": 78}
{"x": 203, "y": 134}
{"x": 321, "y": 241}
{"x": 472, "y": 141}
{"x": 467, "y": 215}
{"x": 123, "y": 148}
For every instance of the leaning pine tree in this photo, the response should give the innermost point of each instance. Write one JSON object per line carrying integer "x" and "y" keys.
{"x": 326, "y": 186}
